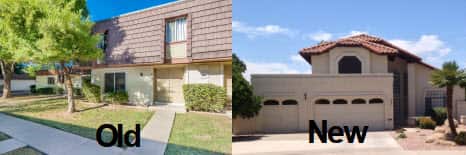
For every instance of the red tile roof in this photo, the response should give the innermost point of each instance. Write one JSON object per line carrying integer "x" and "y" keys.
{"x": 372, "y": 43}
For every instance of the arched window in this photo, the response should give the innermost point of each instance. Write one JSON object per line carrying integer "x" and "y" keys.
{"x": 340, "y": 101}
{"x": 271, "y": 102}
{"x": 290, "y": 102}
{"x": 358, "y": 101}
{"x": 349, "y": 65}
{"x": 322, "y": 101}
{"x": 375, "y": 101}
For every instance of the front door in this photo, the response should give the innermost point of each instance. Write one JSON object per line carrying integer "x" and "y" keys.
{"x": 169, "y": 85}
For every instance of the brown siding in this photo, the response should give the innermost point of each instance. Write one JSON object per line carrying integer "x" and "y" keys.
{"x": 139, "y": 37}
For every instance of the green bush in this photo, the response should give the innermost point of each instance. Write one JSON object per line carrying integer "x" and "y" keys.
{"x": 439, "y": 115}
{"x": 58, "y": 90}
{"x": 91, "y": 92}
{"x": 33, "y": 89}
{"x": 45, "y": 90}
{"x": 77, "y": 92}
{"x": 205, "y": 97}
{"x": 426, "y": 123}
{"x": 402, "y": 135}
{"x": 460, "y": 139}
{"x": 120, "y": 97}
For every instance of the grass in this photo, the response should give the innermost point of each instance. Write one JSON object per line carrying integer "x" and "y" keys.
{"x": 84, "y": 123}
{"x": 4, "y": 136}
{"x": 195, "y": 133}
{"x": 24, "y": 151}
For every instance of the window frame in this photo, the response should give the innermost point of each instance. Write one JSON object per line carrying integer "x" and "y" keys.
{"x": 114, "y": 89}
{"x": 173, "y": 19}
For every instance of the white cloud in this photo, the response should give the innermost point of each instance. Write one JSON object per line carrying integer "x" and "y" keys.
{"x": 254, "y": 31}
{"x": 298, "y": 59}
{"x": 276, "y": 68}
{"x": 320, "y": 36}
{"x": 429, "y": 47}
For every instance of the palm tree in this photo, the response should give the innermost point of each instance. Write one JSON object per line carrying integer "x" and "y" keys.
{"x": 449, "y": 76}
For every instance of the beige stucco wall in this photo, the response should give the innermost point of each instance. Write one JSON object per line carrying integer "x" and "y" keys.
{"x": 327, "y": 63}
{"x": 139, "y": 88}
{"x": 330, "y": 86}
{"x": 213, "y": 73}
{"x": 41, "y": 81}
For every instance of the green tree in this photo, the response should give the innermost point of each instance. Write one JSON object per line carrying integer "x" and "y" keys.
{"x": 245, "y": 103}
{"x": 18, "y": 33}
{"x": 449, "y": 76}
{"x": 66, "y": 38}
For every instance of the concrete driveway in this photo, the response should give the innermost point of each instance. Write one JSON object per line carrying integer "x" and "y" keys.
{"x": 297, "y": 143}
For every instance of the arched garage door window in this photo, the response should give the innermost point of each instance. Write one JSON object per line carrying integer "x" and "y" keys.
{"x": 375, "y": 101}
{"x": 271, "y": 102}
{"x": 349, "y": 65}
{"x": 290, "y": 102}
{"x": 358, "y": 101}
{"x": 322, "y": 101}
{"x": 340, "y": 101}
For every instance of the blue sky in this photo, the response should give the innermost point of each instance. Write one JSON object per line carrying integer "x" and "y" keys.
{"x": 268, "y": 35}
{"x": 103, "y": 9}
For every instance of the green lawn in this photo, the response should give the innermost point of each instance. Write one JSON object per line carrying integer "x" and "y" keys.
{"x": 194, "y": 133}
{"x": 85, "y": 123}
{"x": 3, "y": 136}
{"x": 24, "y": 151}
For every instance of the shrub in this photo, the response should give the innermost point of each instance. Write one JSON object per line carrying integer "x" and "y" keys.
{"x": 120, "y": 97}
{"x": 426, "y": 123}
{"x": 204, "y": 97}
{"x": 91, "y": 92}
{"x": 402, "y": 135}
{"x": 58, "y": 90}
{"x": 45, "y": 90}
{"x": 33, "y": 89}
{"x": 401, "y": 130}
{"x": 460, "y": 139}
{"x": 439, "y": 115}
{"x": 77, "y": 92}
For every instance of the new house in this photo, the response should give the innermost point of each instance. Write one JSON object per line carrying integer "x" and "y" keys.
{"x": 152, "y": 53}
{"x": 360, "y": 80}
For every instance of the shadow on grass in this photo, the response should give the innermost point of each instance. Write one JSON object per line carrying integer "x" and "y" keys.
{"x": 90, "y": 133}
{"x": 92, "y": 108}
{"x": 37, "y": 106}
{"x": 246, "y": 138}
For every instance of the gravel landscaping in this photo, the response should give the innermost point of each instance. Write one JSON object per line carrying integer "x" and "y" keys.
{"x": 416, "y": 140}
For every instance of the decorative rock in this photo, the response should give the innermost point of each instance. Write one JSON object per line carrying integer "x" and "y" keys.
{"x": 439, "y": 129}
{"x": 430, "y": 140}
{"x": 438, "y": 136}
{"x": 445, "y": 142}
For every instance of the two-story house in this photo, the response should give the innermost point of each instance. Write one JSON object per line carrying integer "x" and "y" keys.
{"x": 152, "y": 53}
{"x": 359, "y": 80}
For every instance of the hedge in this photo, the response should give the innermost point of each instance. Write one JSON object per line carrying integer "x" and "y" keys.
{"x": 205, "y": 97}
{"x": 91, "y": 92}
{"x": 120, "y": 97}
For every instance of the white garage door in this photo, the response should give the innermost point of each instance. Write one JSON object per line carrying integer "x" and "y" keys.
{"x": 280, "y": 117}
{"x": 350, "y": 113}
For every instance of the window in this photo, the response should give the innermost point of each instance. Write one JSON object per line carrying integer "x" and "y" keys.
{"x": 114, "y": 82}
{"x": 358, "y": 101}
{"x": 322, "y": 101}
{"x": 204, "y": 70}
{"x": 175, "y": 30}
{"x": 340, "y": 101}
{"x": 103, "y": 41}
{"x": 290, "y": 102}
{"x": 271, "y": 102}
{"x": 51, "y": 80}
{"x": 375, "y": 101}
{"x": 349, "y": 65}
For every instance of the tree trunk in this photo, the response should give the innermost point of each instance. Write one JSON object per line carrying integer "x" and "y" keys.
{"x": 7, "y": 72}
{"x": 69, "y": 88}
{"x": 451, "y": 123}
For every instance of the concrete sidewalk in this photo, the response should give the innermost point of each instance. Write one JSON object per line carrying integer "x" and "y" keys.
{"x": 155, "y": 135}
{"x": 51, "y": 141}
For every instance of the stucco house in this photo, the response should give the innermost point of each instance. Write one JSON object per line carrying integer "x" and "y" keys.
{"x": 152, "y": 53}
{"x": 358, "y": 80}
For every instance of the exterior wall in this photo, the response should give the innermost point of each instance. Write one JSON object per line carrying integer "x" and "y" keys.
{"x": 422, "y": 84}
{"x": 228, "y": 80}
{"x": 139, "y": 37}
{"x": 459, "y": 102}
{"x": 139, "y": 82}
{"x": 41, "y": 81}
{"x": 20, "y": 85}
{"x": 308, "y": 88}
{"x": 213, "y": 73}
{"x": 327, "y": 63}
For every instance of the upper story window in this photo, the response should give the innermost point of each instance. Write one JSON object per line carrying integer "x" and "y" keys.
{"x": 349, "y": 65}
{"x": 175, "y": 30}
{"x": 103, "y": 41}
{"x": 51, "y": 80}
